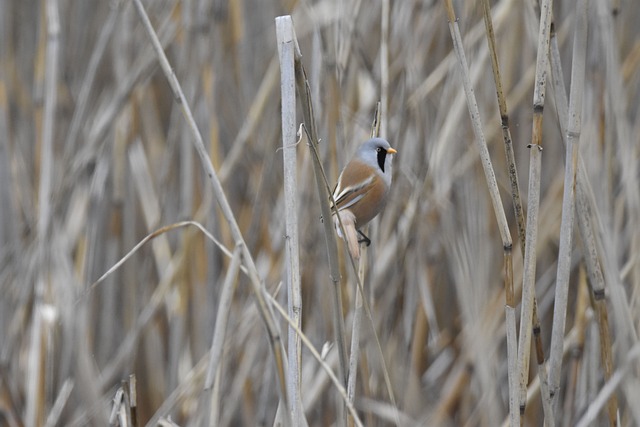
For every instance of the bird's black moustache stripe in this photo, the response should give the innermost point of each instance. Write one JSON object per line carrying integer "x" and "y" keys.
{"x": 382, "y": 155}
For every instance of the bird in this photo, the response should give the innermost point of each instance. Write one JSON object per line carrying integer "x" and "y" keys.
{"x": 362, "y": 191}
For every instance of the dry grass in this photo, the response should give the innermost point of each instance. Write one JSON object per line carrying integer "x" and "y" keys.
{"x": 95, "y": 154}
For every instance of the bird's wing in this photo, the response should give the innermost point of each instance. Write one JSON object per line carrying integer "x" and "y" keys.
{"x": 361, "y": 177}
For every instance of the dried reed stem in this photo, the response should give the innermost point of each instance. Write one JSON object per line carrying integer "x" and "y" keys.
{"x": 286, "y": 49}
{"x": 607, "y": 393}
{"x": 210, "y": 398}
{"x": 587, "y": 217}
{"x": 568, "y": 200}
{"x": 529, "y": 277}
{"x": 58, "y": 406}
{"x": 510, "y": 317}
{"x": 39, "y": 347}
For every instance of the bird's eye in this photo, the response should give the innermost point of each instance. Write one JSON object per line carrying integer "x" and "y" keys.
{"x": 378, "y": 149}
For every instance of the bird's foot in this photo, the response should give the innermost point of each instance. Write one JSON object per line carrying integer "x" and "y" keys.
{"x": 363, "y": 238}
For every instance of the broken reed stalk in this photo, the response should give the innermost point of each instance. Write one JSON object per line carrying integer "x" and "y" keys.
{"x": 286, "y": 53}
{"x": 124, "y": 409}
{"x": 256, "y": 285}
{"x": 510, "y": 304}
{"x": 568, "y": 199}
{"x": 586, "y": 213}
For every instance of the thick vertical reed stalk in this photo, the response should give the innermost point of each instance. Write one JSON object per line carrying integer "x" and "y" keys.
{"x": 529, "y": 276}
{"x": 286, "y": 51}
{"x": 568, "y": 199}
{"x": 36, "y": 369}
{"x": 48, "y": 128}
{"x": 256, "y": 285}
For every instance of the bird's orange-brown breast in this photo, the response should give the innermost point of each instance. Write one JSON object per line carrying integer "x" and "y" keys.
{"x": 372, "y": 195}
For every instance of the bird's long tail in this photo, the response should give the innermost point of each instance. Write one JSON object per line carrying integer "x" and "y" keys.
{"x": 349, "y": 223}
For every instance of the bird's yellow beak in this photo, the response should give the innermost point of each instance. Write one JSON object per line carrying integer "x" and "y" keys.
{"x": 391, "y": 151}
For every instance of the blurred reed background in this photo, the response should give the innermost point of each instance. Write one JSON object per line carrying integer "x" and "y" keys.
{"x": 95, "y": 154}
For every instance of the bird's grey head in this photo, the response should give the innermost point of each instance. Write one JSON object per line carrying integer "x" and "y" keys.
{"x": 377, "y": 152}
